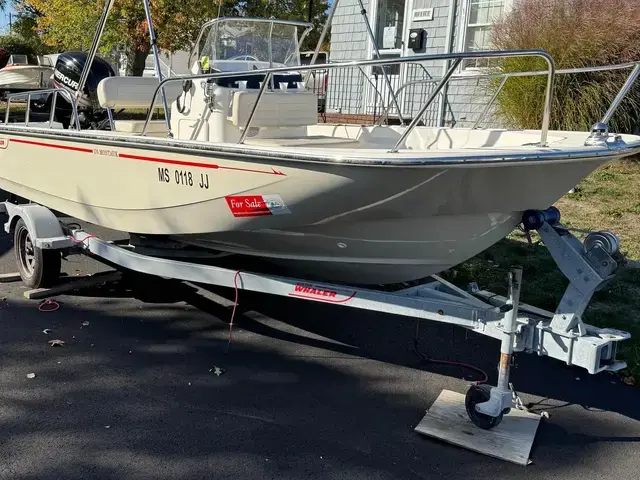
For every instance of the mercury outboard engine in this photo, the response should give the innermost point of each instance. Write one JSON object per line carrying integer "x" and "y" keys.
{"x": 66, "y": 75}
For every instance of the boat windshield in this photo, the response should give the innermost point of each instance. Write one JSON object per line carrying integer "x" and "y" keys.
{"x": 18, "y": 60}
{"x": 260, "y": 41}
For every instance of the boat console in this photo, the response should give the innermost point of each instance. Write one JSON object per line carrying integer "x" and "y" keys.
{"x": 218, "y": 109}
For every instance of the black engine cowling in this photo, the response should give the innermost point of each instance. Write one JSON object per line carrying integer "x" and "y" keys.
{"x": 66, "y": 75}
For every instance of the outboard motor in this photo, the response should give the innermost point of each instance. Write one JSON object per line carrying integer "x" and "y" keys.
{"x": 66, "y": 75}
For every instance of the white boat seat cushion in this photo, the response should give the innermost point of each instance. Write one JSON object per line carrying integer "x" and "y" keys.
{"x": 134, "y": 92}
{"x": 276, "y": 109}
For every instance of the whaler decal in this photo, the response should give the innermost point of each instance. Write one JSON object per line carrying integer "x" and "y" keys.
{"x": 314, "y": 292}
{"x": 256, "y": 205}
{"x": 4, "y": 143}
{"x": 115, "y": 153}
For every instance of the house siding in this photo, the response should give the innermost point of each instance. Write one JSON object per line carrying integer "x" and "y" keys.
{"x": 348, "y": 43}
{"x": 465, "y": 98}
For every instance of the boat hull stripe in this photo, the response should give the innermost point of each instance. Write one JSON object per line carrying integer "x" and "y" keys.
{"x": 150, "y": 159}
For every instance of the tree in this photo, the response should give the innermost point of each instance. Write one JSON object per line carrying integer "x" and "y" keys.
{"x": 572, "y": 31}
{"x": 70, "y": 25}
{"x": 24, "y": 27}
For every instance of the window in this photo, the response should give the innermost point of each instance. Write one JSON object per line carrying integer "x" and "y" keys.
{"x": 480, "y": 17}
{"x": 389, "y": 24}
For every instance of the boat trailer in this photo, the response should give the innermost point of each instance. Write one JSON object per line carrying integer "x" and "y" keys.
{"x": 39, "y": 237}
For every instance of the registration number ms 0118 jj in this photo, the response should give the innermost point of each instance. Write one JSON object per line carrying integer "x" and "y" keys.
{"x": 183, "y": 177}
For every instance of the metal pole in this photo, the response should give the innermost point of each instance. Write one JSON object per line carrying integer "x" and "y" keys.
{"x": 433, "y": 95}
{"x": 26, "y": 115}
{"x": 271, "y": 53}
{"x": 493, "y": 99}
{"x": 325, "y": 29}
{"x": 94, "y": 48}
{"x": 156, "y": 56}
{"x": 631, "y": 79}
{"x": 263, "y": 87}
{"x": 372, "y": 37}
{"x": 546, "y": 115}
{"x": 52, "y": 115}
{"x": 509, "y": 329}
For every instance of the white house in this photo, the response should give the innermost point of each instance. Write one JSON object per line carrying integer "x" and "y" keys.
{"x": 444, "y": 26}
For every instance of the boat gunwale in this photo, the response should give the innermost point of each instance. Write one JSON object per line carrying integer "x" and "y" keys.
{"x": 242, "y": 152}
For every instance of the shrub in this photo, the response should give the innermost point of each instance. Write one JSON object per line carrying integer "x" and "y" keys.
{"x": 577, "y": 33}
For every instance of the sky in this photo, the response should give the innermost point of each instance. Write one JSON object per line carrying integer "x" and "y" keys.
{"x": 4, "y": 22}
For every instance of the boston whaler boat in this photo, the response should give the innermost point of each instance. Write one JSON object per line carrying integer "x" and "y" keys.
{"x": 335, "y": 202}
{"x": 240, "y": 165}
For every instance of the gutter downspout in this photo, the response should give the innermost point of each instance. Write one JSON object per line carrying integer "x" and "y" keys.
{"x": 445, "y": 67}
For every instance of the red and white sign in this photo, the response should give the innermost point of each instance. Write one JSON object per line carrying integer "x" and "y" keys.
{"x": 315, "y": 292}
{"x": 256, "y": 205}
{"x": 4, "y": 143}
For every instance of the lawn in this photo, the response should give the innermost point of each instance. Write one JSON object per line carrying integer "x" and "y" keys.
{"x": 609, "y": 199}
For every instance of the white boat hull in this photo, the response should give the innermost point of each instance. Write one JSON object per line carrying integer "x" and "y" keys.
{"x": 335, "y": 221}
{"x": 25, "y": 77}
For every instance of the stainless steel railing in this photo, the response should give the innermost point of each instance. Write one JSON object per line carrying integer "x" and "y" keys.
{"x": 457, "y": 57}
{"x": 631, "y": 79}
{"x": 55, "y": 91}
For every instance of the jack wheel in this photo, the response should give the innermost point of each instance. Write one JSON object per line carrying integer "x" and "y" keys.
{"x": 38, "y": 268}
{"x": 479, "y": 394}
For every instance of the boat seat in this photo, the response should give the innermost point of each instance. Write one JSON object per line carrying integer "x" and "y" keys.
{"x": 134, "y": 92}
{"x": 310, "y": 141}
{"x": 275, "y": 109}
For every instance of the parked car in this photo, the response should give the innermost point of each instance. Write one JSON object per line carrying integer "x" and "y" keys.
{"x": 318, "y": 79}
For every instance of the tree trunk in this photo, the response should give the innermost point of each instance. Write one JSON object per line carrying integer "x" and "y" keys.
{"x": 135, "y": 60}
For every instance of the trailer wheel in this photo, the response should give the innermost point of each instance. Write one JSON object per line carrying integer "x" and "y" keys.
{"x": 479, "y": 394}
{"x": 38, "y": 268}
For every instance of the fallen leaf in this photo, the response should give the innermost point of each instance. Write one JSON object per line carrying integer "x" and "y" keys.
{"x": 85, "y": 324}
{"x": 629, "y": 380}
{"x": 56, "y": 343}
{"x": 216, "y": 371}
{"x": 31, "y": 375}
{"x": 47, "y": 331}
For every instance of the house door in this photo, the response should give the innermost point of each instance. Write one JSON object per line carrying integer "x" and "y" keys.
{"x": 388, "y": 20}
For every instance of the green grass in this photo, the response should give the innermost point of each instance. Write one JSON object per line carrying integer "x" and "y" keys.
{"x": 609, "y": 199}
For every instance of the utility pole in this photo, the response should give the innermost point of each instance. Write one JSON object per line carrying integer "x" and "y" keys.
{"x": 10, "y": 23}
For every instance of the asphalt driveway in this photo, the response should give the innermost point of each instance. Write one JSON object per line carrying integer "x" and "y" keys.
{"x": 307, "y": 391}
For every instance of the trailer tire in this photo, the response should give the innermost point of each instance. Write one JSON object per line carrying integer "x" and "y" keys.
{"x": 479, "y": 394}
{"x": 38, "y": 268}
